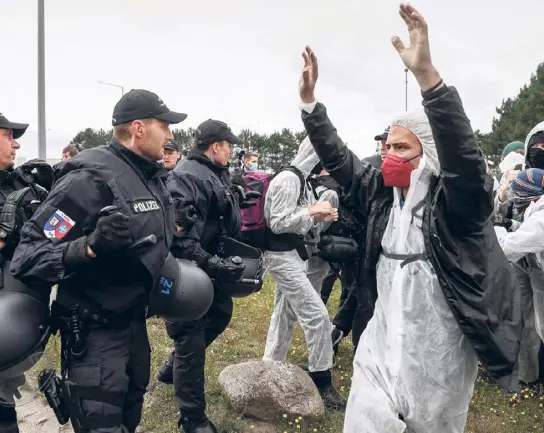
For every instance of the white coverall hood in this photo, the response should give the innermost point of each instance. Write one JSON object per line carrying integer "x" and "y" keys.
{"x": 306, "y": 158}
{"x": 536, "y": 129}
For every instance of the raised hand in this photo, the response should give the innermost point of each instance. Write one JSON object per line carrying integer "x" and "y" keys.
{"x": 417, "y": 57}
{"x": 308, "y": 78}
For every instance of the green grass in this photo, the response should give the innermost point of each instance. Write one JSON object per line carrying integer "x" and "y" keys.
{"x": 492, "y": 411}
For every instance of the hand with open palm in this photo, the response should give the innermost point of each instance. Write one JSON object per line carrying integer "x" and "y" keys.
{"x": 417, "y": 57}
{"x": 308, "y": 78}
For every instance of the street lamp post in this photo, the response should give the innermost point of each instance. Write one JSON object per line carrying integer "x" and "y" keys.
{"x": 114, "y": 85}
{"x": 42, "y": 148}
{"x": 406, "y": 90}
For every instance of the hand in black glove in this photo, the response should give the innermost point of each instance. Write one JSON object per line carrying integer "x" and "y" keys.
{"x": 229, "y": 269}
{"x": 186, "y": 217}
{"x": 244, "y": 197}
{"x": 111, "y": 234}
{"x": 501, "y": 221}
{"x": 43, "y": 175}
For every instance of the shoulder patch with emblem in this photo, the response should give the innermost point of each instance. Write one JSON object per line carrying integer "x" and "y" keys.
{"x": 58, "y": 225}
{"x": 141, "y": 206}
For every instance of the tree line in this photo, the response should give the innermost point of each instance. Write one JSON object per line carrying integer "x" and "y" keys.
{"x": 275, "y": 150}
{"x": 515, "y": 117}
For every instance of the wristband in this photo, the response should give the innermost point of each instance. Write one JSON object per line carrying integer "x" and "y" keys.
{"x": 436, "y": 86}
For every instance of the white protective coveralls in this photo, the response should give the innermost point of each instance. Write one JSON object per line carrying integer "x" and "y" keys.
{"x": 412, "y": 358}
{"x": 528, "y": 240}
{"x": 298, "y": 283}
{"x": 528, "y": 363}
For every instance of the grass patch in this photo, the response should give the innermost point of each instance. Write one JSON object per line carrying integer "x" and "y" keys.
{"x": 491, "y": 410}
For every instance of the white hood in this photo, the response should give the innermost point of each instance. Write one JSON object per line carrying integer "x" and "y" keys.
{"x": 306, "y": 158}
{"x": 536, "y": 129}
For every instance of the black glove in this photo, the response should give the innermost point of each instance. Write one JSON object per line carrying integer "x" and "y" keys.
{"x": 43, "y": 174}
{"x": 501, "y": 221}
{"x": 229, "y": 269}
{"x": 186, "y": 217}
{"x": 111, "y": 234}
{"x": 243, "y": 197}
{"x": 337, "y": 249}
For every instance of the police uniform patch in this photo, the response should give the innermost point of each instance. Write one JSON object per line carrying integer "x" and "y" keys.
{"x": 58, "y": 225}
{"x": 141, "y": 206}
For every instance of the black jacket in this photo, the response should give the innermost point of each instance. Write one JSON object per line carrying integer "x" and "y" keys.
{"x": 459, "y": 237}
{"x": 11, "y": 181}
{"x": 52, "y": 247}
{"x": 197, "y": 181}
{"x": 375, "y": 160}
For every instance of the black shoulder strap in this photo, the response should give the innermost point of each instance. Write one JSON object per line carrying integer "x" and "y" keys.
{"x": 295, "y": 170}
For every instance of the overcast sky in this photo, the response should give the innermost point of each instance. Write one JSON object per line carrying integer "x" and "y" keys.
{"x": 239, "y": 61}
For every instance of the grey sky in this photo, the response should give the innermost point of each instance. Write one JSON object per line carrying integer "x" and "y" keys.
{"x": 239, "y": 60}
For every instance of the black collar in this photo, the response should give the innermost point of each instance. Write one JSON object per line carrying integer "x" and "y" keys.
{"x": 200, "y": 156}
{"x": 150, "y": 169}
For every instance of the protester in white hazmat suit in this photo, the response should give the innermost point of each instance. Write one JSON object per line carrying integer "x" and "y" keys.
{"x": 430, "y": 253}
{"x": 292, "y": 219}
{"x": 524, "y": 247}
{"x": 518, "y": 245}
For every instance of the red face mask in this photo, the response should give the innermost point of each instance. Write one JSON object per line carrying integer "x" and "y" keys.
{"x": 396, "y": 171}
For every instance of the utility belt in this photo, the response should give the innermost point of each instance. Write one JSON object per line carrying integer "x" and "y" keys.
{"x": 95, "y": 318}
{"x": 76, "y": 321}
{"x": 285, "y": 242}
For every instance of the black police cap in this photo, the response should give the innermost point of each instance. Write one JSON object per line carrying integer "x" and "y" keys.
{"x": 212, "y": 131}
{"x": 143, "y": 104}
{"x": 17, "y": 128}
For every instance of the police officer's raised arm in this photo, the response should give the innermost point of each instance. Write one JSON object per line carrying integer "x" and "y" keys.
{"x": 54, "y": 242}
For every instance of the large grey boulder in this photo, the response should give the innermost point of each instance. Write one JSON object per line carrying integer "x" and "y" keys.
{"x": 267, "y": 390}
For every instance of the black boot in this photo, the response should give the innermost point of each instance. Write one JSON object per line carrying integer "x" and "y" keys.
{"x": 337, "y": 335}
{"x": 331, "y": 399}
{"x": 204, "y": 427}
{"x": 166, "y": 373}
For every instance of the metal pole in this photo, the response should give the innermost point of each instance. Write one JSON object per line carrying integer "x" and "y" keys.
{"x": 42, "y": 147}
{"x": 114, "y": 85}
{"x": 406, "y": 91}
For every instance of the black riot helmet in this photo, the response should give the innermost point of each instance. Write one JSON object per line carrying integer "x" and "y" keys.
{"x": 183, "y": 292}
{"x": 24, "y": 330}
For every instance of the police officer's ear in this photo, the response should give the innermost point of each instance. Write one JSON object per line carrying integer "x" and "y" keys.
{"x": 139, "y": 127}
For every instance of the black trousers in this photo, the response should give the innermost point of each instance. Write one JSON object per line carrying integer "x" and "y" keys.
{"x": 118, "y": 361}
{"x": 191, "y": 340}
{"x": 347, "y": 278}
{"x": 8, "y": 419}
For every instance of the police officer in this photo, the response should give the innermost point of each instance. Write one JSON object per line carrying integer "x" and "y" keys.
{"x": 172, "y": 155}
{"x": 18, "y": 188}
{"x": 103, "y": 280}
{"x": 202, "y": 181}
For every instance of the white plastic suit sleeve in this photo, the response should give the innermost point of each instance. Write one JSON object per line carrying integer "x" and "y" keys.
{"x": 285, "y": 216}
{"x": 528, "y": 238}
{"x": 332, "y": 197}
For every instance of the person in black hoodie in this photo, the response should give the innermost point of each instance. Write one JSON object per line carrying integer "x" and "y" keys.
{"x": 201, "y": 184}
{"x": 432, "y": 263}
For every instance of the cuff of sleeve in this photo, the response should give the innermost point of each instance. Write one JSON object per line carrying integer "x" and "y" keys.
{"x": 75, "y": 255}
{"x": 201, "y": 258}
{"x": 427, "y": 96}
{"x": 309, "y": 108}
